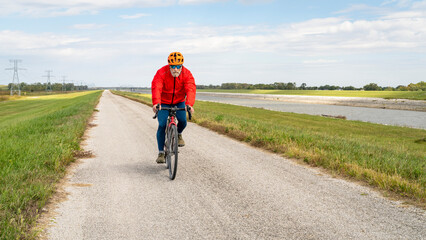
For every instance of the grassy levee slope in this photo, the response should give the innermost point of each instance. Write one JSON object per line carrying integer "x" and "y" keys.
{"x": 3, "y": 93}
{"x": 390, "y": 158}
{"x": 38, "y": 139}
{"x": 412, "y": 95}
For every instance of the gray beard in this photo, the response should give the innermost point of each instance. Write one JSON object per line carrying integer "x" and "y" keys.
{"x": 175, "y": 74}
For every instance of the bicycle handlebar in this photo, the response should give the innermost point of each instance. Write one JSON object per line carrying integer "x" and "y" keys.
{"x": 174, "y": 109}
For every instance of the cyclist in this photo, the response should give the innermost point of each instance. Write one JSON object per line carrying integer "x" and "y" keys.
{"x": 173, "y": 85}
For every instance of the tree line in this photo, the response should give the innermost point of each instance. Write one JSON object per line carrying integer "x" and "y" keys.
{"x": 55, "y": 87}
{"x": 420, "y": 86}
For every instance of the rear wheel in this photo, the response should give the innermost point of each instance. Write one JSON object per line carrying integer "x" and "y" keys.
{"x": 172, "y": 157}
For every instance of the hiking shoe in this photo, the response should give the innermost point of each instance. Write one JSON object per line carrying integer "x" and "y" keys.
{"x": 181, "y": 143}
{"x": 161, "y": 158}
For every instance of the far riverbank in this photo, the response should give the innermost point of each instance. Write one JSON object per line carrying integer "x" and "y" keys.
{"x": 397, "y": 104}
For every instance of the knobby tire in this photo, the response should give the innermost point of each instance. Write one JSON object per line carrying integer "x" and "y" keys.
{"x": 173, "y": 151}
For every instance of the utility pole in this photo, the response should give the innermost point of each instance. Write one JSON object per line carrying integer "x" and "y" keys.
{"x": 64, "y": 89}
{"x": 48, "y": 83}
{"x": 15, "y": 77}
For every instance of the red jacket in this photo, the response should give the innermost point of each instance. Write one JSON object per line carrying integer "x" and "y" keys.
{"x": 167, "y": 89}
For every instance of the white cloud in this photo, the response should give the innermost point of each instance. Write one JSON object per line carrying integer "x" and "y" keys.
{"x": 397, "y": 31}
{"x": 316, "y": 37}
{"x": 419, "y": 5}
{"x": 398, "y": 3}
{"x": 135, "y": 16}
{"x": 255, "y": 1}
{"x": 14, "y": 40}
{"x": 359, "y": 7}
{"x": 185, "y": 2}
{"x": 88, "y": 26}
{"x": 320, "y": 61}
{"x": 52, "y": 8}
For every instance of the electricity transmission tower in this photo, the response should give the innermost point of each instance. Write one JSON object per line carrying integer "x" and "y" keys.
{"x": 72, "y": 85}
{"x": 48, "y": 83}
{"x": 15, "y": 82}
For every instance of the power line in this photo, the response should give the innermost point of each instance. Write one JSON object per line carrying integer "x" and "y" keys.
{"x": 15, "y": 86}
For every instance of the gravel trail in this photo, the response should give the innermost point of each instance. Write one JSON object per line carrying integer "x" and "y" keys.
{"x": 224, "y": 189}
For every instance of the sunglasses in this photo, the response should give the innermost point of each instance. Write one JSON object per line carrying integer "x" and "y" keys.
{"x": 175, "y": 66}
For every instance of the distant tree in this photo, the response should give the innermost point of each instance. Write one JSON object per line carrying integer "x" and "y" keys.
{"x": 57, "y": 87}
{"x": 23, "y": 86}
{"x": 39, "y": 87}
{"x": 302, "y": 86}
{"x": 244, "y": 85}
{"x": 260, "y": 86}
{"x": 291, "y": 86}
{"x": 228, "y": 86}
{"x": 349, "y": 88}
{"x": 401, "y": 88}
{"x": 328, "y": 87}
{"x": 279, "y": 85}
{"x": 372, "y": 87}
{"x": 420, "y": 86}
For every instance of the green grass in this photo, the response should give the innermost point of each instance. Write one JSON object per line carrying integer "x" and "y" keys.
{"x": 390, "y": 158}
{"x": 3, "y": 91}
{"x": 5, "y": 95}
{"x": 38, "y": 139}
{"x": 413, "y": 95}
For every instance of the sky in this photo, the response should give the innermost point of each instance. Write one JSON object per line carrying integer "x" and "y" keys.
{"x": 109, "y": 43}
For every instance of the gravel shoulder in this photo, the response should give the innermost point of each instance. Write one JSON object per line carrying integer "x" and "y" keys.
{"x": 224, "y": 189}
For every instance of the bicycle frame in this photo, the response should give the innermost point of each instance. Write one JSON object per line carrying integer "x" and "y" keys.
{"x": 171, "y": 147}
{"x": 171, "y": 121}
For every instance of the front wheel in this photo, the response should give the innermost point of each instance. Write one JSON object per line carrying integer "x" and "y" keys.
{"x": 173, "y": 151}
{"x": 167, "y": 149}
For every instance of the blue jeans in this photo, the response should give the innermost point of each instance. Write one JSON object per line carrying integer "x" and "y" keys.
{"x": 162, "y": 122}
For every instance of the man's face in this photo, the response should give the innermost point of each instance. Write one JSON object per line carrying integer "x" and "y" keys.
{"x": 175, "y": 70}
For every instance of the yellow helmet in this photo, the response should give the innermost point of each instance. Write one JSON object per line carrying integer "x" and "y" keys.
{"x": 175, "y": 58}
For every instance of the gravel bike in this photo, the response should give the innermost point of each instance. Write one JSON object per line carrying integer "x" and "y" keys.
{"x": 171, "y": 140}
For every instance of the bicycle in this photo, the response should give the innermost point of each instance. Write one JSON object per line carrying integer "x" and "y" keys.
{"x": 171, "y": 141}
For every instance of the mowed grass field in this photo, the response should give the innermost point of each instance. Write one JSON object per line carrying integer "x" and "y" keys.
{"x": 5, "y": 95}
{"x": 390, "y": 158}
{"x": 413, "y": 95}
{"x": 39, "y": 137}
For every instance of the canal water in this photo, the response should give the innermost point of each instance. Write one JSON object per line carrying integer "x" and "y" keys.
{"x": 403, "y": 118}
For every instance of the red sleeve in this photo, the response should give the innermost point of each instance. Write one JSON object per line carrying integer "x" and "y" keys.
{"x": 157, "y": 88}
{"x": 190, "y": 89}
